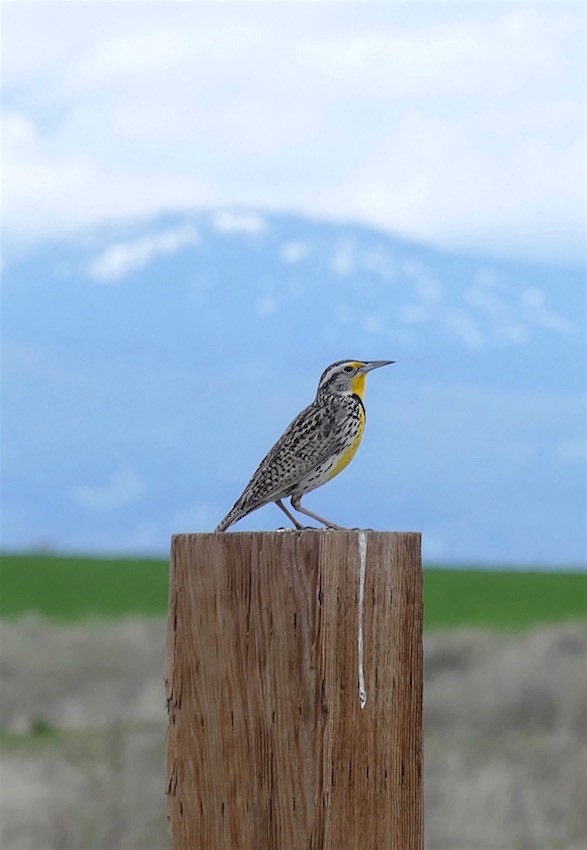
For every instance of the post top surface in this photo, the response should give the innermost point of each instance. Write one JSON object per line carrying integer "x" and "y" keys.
{"x": 294, "y": 532}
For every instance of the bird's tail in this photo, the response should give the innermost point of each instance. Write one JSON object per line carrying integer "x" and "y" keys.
{"x": 231, "y": 517}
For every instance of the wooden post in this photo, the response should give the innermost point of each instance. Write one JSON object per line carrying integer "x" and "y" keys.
{"x": 294, "y": 691}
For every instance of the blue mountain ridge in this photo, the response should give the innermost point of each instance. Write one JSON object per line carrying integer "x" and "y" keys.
{"x": 148, "y": 367}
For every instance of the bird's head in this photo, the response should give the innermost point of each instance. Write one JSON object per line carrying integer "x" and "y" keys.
{"x": 347, "y": 377}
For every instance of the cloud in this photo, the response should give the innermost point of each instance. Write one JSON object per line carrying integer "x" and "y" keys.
{"x": 464, "y": 127}
{"x": 347, "y": 256}
{"x": 49, "y": 190}
{"x": 446, "y": 179}
{"x": 121, "y": 259}
{"x": 464, "y": 325}
{"x": 492, "y": 308}
{"x": 344, "y": 258}
{"x": 294, "y": 251}
{"x": 229, "y": 221}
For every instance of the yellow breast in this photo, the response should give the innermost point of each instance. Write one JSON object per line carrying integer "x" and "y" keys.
{"x": 358, "y": 385}
{"x": 350, "y": 451}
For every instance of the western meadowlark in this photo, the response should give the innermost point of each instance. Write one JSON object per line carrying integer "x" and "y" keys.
{"x": 315, "y": 447}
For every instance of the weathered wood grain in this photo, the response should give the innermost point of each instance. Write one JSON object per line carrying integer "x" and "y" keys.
{"x": 268, "y": 746}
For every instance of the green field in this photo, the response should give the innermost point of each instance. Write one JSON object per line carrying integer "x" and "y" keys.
{"x": 69, "y": 589}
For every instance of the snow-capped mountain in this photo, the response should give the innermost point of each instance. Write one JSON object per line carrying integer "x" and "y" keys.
{"x": 149, "y": 366}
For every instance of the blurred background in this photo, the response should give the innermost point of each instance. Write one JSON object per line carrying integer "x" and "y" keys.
{"x": 204, "y": 204}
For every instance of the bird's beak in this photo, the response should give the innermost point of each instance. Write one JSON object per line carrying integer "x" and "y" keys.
{"x": 374, "y": 364}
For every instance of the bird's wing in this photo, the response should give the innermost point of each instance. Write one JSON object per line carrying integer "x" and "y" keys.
{"x": 306, "y": 443}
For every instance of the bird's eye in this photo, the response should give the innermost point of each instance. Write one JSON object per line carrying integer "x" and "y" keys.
{"x": 348, "y": 368}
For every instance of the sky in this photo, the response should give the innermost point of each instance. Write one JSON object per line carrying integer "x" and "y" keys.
{"x": 461, "y": 125}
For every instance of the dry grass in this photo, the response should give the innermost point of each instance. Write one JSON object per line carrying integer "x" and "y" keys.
{"x": 506, "y": 740}
{"x": 83, "y": 722}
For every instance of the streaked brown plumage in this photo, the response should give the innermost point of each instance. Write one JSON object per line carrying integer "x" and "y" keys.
{"x": 319, "y": 443}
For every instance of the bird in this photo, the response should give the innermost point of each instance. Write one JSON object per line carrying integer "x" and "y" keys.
{"x": 318, "y": 444}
